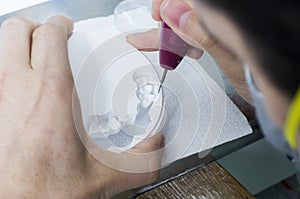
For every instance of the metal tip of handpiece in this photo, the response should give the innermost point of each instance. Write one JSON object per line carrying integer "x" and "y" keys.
{"x": 159, "y": 87}
{"x": 162, "y": 79}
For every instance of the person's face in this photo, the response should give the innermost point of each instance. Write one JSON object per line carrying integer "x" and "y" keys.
{"x": 227, "y": 33}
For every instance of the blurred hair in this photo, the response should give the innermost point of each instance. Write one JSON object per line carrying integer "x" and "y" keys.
{"x": 271, "y": 29}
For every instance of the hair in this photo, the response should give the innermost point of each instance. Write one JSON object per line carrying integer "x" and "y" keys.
{"x": 271, "y": 29}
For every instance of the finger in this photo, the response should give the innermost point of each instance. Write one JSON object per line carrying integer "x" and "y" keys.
{"x": 148, "y": 145}
{"x": 49, "y": 45}
{"x": 153, "y": 161}
{"x": 195, "y": 53}
{"x": 135, "y": 176}
{"x": 147, "y": 154}
{"x": 149, "y": 41}
{"x": 156, "y": 9}
{"x": 184, "y": 20}
{"x": 146, "y": 41}
{"x": 15, "y": 39}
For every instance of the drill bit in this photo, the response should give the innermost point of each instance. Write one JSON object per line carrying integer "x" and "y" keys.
{"x": 162, "y": 79}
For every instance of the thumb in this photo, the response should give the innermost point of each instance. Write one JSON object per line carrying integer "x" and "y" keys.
{"x": 127, "y": 180}
{"x": 150, "y": 144}
{"x": 184, "y": 20}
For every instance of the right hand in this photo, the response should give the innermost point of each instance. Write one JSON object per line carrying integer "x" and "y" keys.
{"x": 189, "y": 29}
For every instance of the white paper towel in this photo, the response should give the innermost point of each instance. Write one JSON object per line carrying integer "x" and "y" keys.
{"x": 199, "y": 114}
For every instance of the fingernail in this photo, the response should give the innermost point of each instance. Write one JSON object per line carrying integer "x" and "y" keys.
{"x": 183, "y": 19}
{"x": 175, "y": 12}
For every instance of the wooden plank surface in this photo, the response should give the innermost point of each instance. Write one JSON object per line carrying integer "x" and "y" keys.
{"x": 211, "y": 181}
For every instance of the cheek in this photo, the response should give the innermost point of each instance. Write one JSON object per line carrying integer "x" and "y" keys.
{"x": 275, "y": 112}
{"x": 276, "y": 104}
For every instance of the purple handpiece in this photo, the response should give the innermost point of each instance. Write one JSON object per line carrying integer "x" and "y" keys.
{"x": 172, "y": 48}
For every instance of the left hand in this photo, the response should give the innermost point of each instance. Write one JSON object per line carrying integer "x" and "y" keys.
{"x": 41, "y": 155}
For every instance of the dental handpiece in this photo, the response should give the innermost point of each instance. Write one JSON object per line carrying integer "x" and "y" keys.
{"x": 171, "y": 51}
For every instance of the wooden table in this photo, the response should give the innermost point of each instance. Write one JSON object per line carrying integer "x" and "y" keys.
{"x": 210, "y": 181}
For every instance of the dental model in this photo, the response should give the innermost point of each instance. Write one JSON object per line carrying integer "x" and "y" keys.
{"x": 108, "y": 126}
{"x": 103, "y": 125}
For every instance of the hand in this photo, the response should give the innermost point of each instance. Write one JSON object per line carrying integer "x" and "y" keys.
{"x": 41, "y": 155}
{"x": 188, "y": 27}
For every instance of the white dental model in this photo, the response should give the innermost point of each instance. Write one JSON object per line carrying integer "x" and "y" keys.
{"x": 107, "y": 125}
